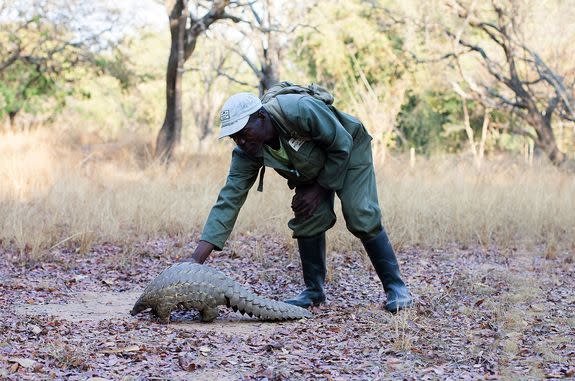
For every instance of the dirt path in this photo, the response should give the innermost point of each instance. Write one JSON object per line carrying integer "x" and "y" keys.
{"x": 93, "y": 307}
{"x": 479, "y": 315}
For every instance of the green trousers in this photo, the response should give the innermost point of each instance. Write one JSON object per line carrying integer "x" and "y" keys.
{"x": 358, "y": 198}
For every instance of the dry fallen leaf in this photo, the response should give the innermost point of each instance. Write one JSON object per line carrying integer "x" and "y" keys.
{"x": 78, "y": 278}
{"x": 35, "y": 329}
{"x": 188, "y": 361}
{"x": 538, "y": 307}
{"x": 23, "y": 362}
{"x": 131, "y": 348}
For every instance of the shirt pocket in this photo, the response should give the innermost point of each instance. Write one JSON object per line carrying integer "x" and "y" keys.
{"x": 308, "y": 159}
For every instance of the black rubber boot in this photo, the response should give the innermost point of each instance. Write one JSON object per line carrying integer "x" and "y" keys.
{"x": 312, "y": 254}
{"x": 383, "y": 259}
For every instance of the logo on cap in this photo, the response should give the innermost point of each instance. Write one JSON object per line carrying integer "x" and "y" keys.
{"x": 225, "y": 115}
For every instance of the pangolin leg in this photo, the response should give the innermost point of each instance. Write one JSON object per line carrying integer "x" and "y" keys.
{"x": 163, "y": 311}
{"x": 208, "y": 314}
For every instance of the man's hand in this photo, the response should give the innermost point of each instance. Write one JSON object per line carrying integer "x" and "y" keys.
{"x": 202, "y": 252}
{"x": 306, "y": 200}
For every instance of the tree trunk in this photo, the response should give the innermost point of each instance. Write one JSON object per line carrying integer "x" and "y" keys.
{"x": 270, "y": 66}
{"x": 171, "y": 131}
{"x": 270, "y": 62}
{"x": 541, "y": 122}
{"x": 267, "y": 79}
{"x": 546, "y": 140}
{"x": 12, "y": 118}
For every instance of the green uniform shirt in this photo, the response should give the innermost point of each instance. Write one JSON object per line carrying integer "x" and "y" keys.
{"x": 321, "y": 143}
{"x": 279, "y": 154}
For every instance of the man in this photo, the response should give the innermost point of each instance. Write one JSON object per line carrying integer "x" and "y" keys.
{"x": 321, "y": 152}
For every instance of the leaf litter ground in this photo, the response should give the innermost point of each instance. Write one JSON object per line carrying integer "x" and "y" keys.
{"x": 479, "y": 314}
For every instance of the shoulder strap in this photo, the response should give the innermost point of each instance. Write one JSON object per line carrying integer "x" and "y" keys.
{"x": 287, "y": 129}
{"x": 273, "y": 107}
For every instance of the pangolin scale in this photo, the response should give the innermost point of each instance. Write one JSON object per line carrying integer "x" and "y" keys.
{"x": 189, "y": 285}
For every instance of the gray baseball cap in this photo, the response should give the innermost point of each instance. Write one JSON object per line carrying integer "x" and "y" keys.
{"x": 236, "y": 112}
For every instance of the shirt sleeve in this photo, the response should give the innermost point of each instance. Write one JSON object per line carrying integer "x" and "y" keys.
{"x": 317, "y": 120}
{"x": 222, "y": 218}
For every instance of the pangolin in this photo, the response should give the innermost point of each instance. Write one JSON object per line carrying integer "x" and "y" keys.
{"x": 190, "y": 285}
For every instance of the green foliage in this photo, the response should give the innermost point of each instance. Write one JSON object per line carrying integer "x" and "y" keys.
{"x": 420, "y": 124}
{"x": 43, "y": 60}
{"x": 118, "y": 66}
{"x": 433, "y": 121}
{"x": 111, "y": 111}
{"x": 348, "y": 45}
{"x": 23, "y": 87}
{"x": 29, "y": 88}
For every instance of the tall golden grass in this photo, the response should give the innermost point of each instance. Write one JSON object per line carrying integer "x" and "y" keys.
{"x": 64, "y": 188}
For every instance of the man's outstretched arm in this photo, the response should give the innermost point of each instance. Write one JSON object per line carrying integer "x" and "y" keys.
{"x": 242, "y": 175}
{"x": 222, "y": 218}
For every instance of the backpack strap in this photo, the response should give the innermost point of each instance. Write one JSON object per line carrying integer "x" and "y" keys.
{"x": 287, "y": 129}
{"x": 273, "y": 107}
{"x": 261, "y": 182}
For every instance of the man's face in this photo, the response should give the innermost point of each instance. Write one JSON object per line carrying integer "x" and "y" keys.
{"x": 251, "y": 138}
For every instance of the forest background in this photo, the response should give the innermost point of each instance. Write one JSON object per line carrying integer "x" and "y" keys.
{"x": 445, "y": 88}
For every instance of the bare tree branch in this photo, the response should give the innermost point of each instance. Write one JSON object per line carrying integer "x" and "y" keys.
{"x": 554, "y": 80}
{"x": 504, "y": 100}
{"x": 13, "y": 57}
{"x": 493, "y": 67}
{"x": 233, "y": 79}
{"x": 256, "y": 15}
{"x": 247, "y": 60}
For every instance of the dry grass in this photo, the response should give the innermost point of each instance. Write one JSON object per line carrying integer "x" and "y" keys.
{"x": 65, "y": 188}
{"x": 507, "y": 204}
{"x": 68, "y": 356}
